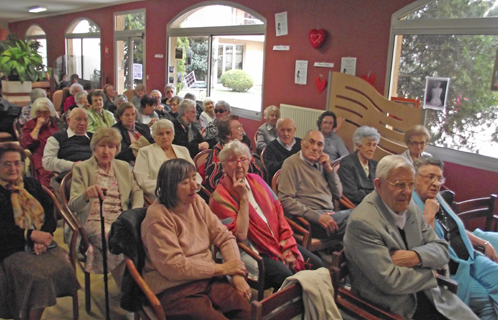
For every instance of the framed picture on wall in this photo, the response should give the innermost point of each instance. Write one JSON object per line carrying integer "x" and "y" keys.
{"x": 408, "y": 102}
{"x": 436, "y": 93}
{"x": 178, "y": 53}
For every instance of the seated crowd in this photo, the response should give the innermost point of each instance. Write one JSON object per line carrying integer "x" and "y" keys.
{"x": 125, "y": 155}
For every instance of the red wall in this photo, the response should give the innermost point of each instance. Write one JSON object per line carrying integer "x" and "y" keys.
{"x": 356, "y": 28}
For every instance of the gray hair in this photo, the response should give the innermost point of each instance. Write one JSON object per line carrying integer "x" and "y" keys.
{"x": 281, "y": 120}
{"x": 37, "y": 93}
{"x": 109, "y": 135}
{"x": 140, "y": 86}
{"x": 170, "y": 86}
{"x": 74, "y": 86}
{"x": 205, "y": 101}
{"x": 79, "y": 94}
{"x": 365, "y": 132}
{"x": 271, "y": 109}
{"x": 233, "y": 148}
{"x": 42, "y": 103}
{"x": 157, "y": 91}
{"x": 162, "y": 124}
{"x": 185, "y": 105}
{"x": 426, "y": 161}
{"x": 417, "y": 130}
{"x": 224, "y": 104}
{"x": 389, "y": 163}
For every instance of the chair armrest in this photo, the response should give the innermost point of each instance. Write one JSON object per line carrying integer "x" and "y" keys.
{"x": 147, "y": 201}
{"x": 495, "y": 220}
{"x": 302, "y": 231}
{"x": 346, "y": 202}
{"x": 261, "y": 268}
{"x": 154, "y": 302}
{"x": 450, "y": 284}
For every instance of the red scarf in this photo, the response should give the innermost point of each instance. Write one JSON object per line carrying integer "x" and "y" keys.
{"x": 225, "y": 204}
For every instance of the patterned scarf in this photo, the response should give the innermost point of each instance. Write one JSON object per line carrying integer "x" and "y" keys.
{"x": 28, "y": 212}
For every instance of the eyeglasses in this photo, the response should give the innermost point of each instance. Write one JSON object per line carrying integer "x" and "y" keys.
{"x": 236, "y": 161}
{"x": 240, "y": 127}
{"x": 432, "y": 177}
{"x": 219, "y": 110}
{"x": 416, "y": 143}
{"x": 402, "y": 185}
{"x": 43, "y": 113}
{"x": 8, "y": 164}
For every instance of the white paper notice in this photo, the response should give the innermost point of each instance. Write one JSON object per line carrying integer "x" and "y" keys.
{"x": 281, "y": 23}
{"x": 301, "y": 73}
{"x": 348, "y": 65}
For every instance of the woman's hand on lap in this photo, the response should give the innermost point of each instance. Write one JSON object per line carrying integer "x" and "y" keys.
{"x": 234, "y": 267}
{"x": 41, "y": 237}
{"x": 39, "y": 248}
{"x": 242, "y": 287}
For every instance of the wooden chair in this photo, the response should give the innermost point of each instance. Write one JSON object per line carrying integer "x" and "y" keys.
{"x": 129, "y": 93}
{"x": 17, "y": 129}
{"x": 343, "y": 201}
{"x": 31, "y": 165}
{"x": 359, "y": 104}
{"x": 356, "y": 306}
{"x": 57, "y": 206}
{"x": 481, "y": 209}
{"x": 77, "y": 253}
{"x": 57, "y": 100}
{"x": 310, "y": 243}
{"x": 282, "y": 305}
{"x": 125, "y": 238}
{"x": 201, "y": 157}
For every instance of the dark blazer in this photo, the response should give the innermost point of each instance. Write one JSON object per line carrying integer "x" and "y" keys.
{"x": 181, "y": 137}
{"x": 126, "y": 154}
{"x": 355, "y": 183}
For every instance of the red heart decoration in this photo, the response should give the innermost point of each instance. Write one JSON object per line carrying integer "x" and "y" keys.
{"x": 320, "y": 83}
{"x": 370, "y": 78}
{"x": 317, "y": 37}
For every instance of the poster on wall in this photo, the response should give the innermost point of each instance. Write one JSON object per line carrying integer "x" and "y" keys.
{"x": 178, "y": 53}
{"x": 281, "y": 24}
{"x": 189, "y": 79}
{"x": 137, "y": 71}
{"x": 348, "y": 65}
{"x": 301, "y": 73}
{"x": 436, "y": 93}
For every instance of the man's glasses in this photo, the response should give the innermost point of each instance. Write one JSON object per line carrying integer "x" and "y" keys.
{"x": 235, "y": 161}
{"x": 416, "y": 143}
{"x": 402, "y": 185}
{"x": 219, "y": 110}
{"x": 432, "y": 177}
{"x": 8, "y": 164}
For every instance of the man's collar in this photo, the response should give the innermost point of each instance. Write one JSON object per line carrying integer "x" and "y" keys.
{"x": 269, "y": 127}
{"x": 288, "y": 147}
{"x": 306, "y": 160}
{"x": 399, "y": 218}
{"x": 71, "y": 133}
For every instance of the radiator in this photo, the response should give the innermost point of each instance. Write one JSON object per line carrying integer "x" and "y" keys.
{"x": 304, "y": 118}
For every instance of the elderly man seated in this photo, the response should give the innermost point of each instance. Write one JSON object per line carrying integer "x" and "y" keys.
{"x": 476, "y": 274}
{"x": 188, "y": 130}
{"x": 306, "y": 186}
{"x": 393, "y": 254}
{"x": 66, "y": 148}
{"x": 281, "y": 148}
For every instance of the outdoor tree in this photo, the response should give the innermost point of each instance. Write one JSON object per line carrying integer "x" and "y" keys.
{"x": 199, "y": 50}
{"x": 134, "y": 21}
{"x": 468, "y": 61}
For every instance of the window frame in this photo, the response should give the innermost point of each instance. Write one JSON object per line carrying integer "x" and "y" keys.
{"x": 38, "y": 37}
{"x": 254, "y": 29}
{"x": 88, "y": 35}
{"x": 460, "y": 26}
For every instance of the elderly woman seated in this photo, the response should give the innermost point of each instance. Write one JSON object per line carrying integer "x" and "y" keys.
{"x": 90, "y": 178}
{"x": 147, "y": 111}
{"x": 177, "y": 233}
{"x": 150, "y": 158}
{"x": 97, "y": 116}
{"x": 70, "y": 101}
{"x": 139, "y": 93}
{"x": 257, "y": 217}
{"x": 416, "y": 139}
{"x": 229, "y": 128}
{"x": 357, "y": 170}
{"x": 35, "y": 134}
{"x": 267, "y": 132}
{"x": 33, "y": 270}
{"x": 208, "y": 114}
{"x": 334, "y": 146}
{"x": 476, "y": 273}
{"x": 130, "y": 130}
{"x": 174, "y": 103}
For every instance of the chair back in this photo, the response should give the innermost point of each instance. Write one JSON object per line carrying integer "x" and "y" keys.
{"x": 201, "y": 157}
{"x": 129, "y": 93}
{"x": 17, "y": 129}
{"x": 262, "y": 158}
{"x": 481, "y": 209}
{"x": 57, "y": 100}
{"x": 30, "y": 166}
{"x": 125, "y": 237}
{"x": 282, "y": 305}
{"x": 66, "y": 190}
{"x": 359, "y": 104}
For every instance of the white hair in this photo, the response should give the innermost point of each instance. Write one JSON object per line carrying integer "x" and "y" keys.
{"x": 74, "y": 86}
{"x": 390, "y": 163}
{"x": 185, "y": 105}
{"x": 42, "y": 103}
{"x": 234, "y": 148}
{"x": 271, "y": 109}
{"x": 162, "y": 124}
{"x": 365, "y": 132}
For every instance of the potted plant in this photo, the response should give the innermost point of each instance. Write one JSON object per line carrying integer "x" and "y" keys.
{"x": 21, "y": 64}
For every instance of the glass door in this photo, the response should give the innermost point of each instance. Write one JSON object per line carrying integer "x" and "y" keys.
{"x": 129, "y": 63}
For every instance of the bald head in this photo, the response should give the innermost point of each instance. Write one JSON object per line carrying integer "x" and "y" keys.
{"x": 286, "y": 130}
{"x": 77, "y": 121}
{"x": 312, "y": 145}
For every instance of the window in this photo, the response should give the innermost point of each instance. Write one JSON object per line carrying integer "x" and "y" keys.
{"x": 36, "y": 33}
{"x": 129, "y": 34}
{"x": 206, "y": 42}
{"x": 83, "y": 50}
{"x": 457, "y": 40}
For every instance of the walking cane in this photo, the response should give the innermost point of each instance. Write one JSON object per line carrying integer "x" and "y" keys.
{"x": 104, "y": 255}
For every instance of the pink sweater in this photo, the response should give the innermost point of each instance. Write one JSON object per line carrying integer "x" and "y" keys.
{"x": 177, "y": 246}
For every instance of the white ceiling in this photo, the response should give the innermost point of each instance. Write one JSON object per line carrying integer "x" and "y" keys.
{"x": 15, "y": 10}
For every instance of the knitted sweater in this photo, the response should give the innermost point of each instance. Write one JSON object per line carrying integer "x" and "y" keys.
{"x": 275, "y": 155}
{"x": 304, "y": 191}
